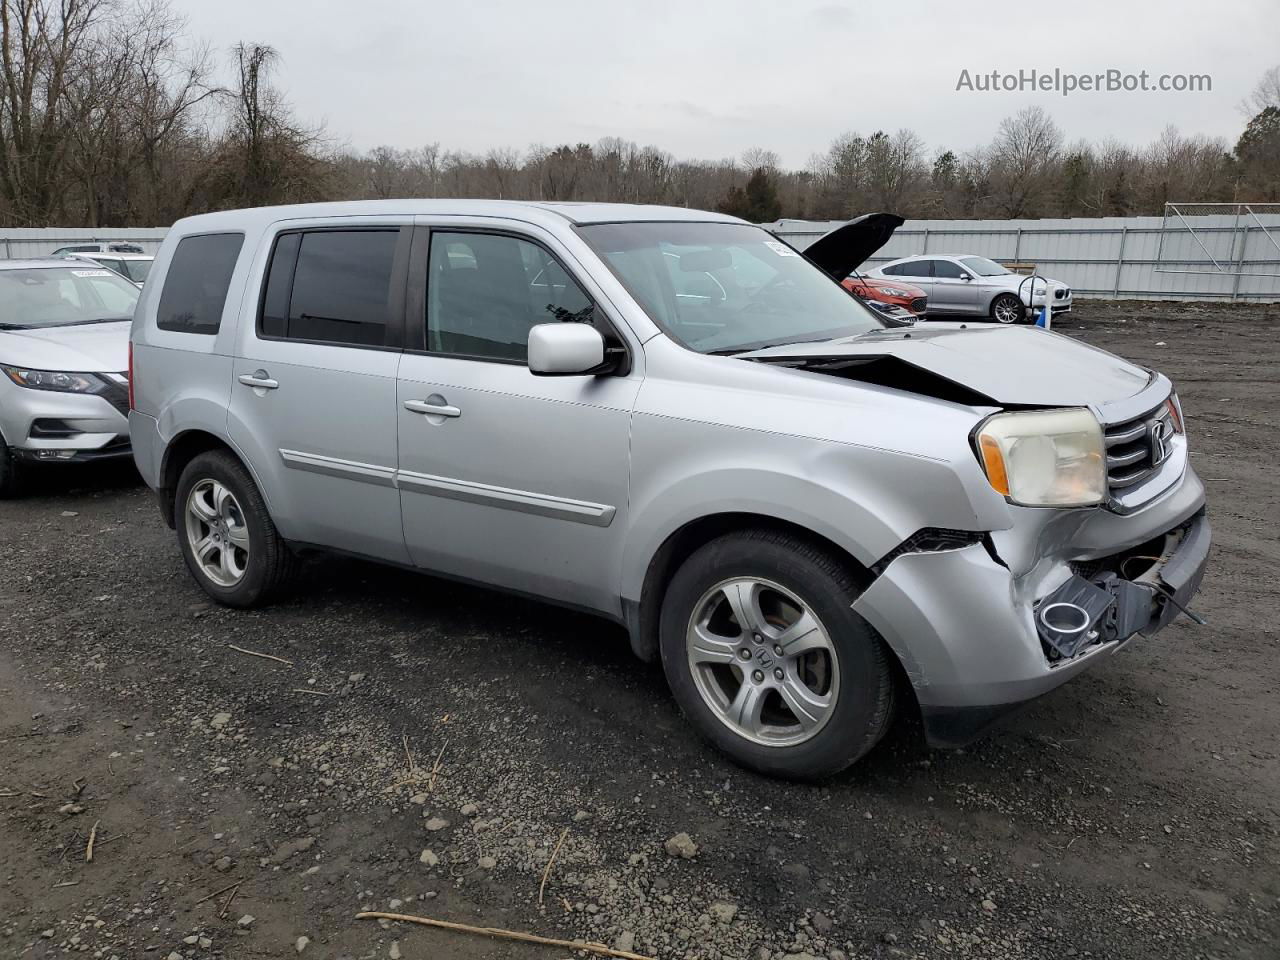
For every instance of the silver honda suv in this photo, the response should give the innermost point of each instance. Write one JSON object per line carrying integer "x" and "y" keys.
{"x": 677, "y": 421}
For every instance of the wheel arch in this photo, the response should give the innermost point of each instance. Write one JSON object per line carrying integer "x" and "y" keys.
{"x": 641, "y": 615}
{"x": 180, "y": 451}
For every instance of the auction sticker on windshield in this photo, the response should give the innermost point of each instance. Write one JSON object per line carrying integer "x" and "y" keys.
{"x": 91, "y": 273}
{"x": 781, "y": 249}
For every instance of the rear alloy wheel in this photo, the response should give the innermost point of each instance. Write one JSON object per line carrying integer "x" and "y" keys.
{"x": 227, "y": 537}
{"x": 217, "y": 533}
{"x": 767, "y": 659}
{"x": 1007, "y": 308}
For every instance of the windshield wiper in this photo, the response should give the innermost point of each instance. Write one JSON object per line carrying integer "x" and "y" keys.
{"x": 14, "y": 326}
{"x": 81, "y": 323}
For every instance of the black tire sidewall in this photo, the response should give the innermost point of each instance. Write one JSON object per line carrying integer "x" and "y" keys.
{"x": 1021, "y": 306}
{"x": 858, "y": 719}
{"x": 229, "y": 472}
{"x": 10, "y": 483}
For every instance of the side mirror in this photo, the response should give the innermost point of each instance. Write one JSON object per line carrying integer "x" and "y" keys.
{"x": 966, "y": 276}
{"x": 565, "y": 350}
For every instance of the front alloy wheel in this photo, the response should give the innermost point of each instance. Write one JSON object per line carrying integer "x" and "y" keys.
{"x": 762, "y": 662}
{"x": 768, "y": 660}
{"x": 217, "y": 533}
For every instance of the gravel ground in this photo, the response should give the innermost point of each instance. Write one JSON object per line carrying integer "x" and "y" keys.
{"x": 427, "y": 746}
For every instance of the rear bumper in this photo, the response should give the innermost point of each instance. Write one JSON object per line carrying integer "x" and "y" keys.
{"x": 148, "y": 447}
{"x": 970, "y": 634}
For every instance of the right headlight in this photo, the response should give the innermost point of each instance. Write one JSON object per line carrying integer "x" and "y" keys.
{"x": 1045, "y": 458}
{"x": 57, "y": 381}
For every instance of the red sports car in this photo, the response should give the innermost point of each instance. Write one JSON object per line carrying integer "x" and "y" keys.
{"x": 912, "y": 299}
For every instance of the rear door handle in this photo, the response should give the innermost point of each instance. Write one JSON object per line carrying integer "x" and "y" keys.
{"x": 432, "y": 409}
{"x": 258, "y": 379}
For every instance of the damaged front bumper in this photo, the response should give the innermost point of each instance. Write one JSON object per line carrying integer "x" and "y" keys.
{"x": 978, "y": 639}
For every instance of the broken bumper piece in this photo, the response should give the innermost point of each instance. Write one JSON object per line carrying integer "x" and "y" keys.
{"x": 975, "y": 648}
{"x": 1108, "y": 607}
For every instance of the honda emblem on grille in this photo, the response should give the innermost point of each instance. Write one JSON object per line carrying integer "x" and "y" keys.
{"x": 1161, "y": 434}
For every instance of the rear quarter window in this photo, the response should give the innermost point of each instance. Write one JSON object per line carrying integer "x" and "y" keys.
{"x": 195, "y": 285}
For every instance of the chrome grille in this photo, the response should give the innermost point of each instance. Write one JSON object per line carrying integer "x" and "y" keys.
{"x": 1133, "y": 453}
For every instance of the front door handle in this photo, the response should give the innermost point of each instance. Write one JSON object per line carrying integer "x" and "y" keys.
{"x": 258, "y": 379}
{"x": 432, "y": 409}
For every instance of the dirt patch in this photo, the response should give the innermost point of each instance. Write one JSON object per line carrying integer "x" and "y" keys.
{"x": 427, "y": 745}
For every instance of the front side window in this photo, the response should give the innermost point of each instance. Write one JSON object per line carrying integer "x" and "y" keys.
{"x": 331, "y": 286}
{"x": 726, "y": 287}
{"x": 486, "y": 291}
{"x": 63, "y": 296}
{"x": 984, "y": 267}
{"x": 195, "y": 286}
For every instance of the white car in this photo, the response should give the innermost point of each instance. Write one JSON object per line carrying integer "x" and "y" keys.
{"x": 131, "y": 266}
{"x": 94, "y": 246}
{"x": 976, "y": 286}
{"x": 64, "y": 356}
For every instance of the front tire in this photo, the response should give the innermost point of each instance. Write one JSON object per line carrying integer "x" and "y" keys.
{"x": 767, "y": 659}
{"x": 227, "y": 538}
{"x": 1008, "y": 308}
{"x": 10, "y": 473}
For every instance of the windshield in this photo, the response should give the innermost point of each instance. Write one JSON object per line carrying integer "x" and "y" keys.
{"x": 726, "y": 287}
{"x": 59, "y": 296}
{"x": 984, "y": 267}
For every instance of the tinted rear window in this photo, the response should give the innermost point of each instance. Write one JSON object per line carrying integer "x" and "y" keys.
{"x": 195, "y": 286}
{"x": 331, "y": 286}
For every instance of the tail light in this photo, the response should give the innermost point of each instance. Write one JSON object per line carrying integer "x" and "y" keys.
{"x": 131, "y": 407}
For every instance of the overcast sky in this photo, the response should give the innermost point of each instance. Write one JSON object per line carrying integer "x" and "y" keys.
{"x": 712, "y": 78}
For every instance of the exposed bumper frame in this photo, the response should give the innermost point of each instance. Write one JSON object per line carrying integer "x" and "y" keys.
{"x": 963, "y": 627}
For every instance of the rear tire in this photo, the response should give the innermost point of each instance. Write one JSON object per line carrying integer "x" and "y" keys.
{"x": 1008, "y": 308}
{"x": 10, "y": 473}
{"x": 840, "y": 682}
{"x": 226, "y": 535}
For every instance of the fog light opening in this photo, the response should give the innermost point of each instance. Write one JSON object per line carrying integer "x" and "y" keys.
{"x": 1065, "y": 618}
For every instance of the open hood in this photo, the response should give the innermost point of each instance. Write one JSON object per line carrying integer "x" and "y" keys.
{"x": 1003, "y": 366}
{"x": 846, "y": 248}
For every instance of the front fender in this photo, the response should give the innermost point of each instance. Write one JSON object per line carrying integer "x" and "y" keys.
{"x": 865, "y": 500}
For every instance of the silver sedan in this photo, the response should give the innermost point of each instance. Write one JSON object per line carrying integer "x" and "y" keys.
{"x": 977, "y": 286}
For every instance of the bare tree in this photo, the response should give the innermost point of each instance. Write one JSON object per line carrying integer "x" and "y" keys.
{"x": 1024, "y": 158}
{"x": 42, "y": 44}
{"x": 1266, "y": 93}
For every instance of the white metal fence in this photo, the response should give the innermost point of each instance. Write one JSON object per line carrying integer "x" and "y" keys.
{"x": 18, "y": 242}
{"x": 1218, "y": 257}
